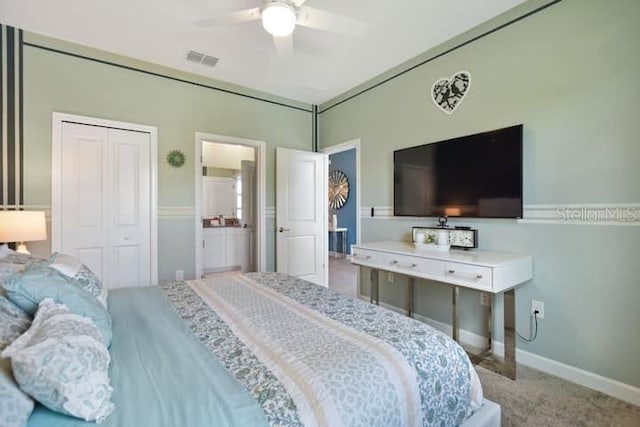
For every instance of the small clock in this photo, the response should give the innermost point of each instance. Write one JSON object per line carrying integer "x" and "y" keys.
{"x": 465, "y": 238}
{"x": 459, "y": 237}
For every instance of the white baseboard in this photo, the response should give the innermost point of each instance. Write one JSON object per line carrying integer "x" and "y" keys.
{"x": 617, "y": 389}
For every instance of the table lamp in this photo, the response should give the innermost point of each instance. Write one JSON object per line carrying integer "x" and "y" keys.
{"x": 22, "y": 226}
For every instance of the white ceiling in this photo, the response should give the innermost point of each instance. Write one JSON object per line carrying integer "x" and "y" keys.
{"x": 323, "y": 65}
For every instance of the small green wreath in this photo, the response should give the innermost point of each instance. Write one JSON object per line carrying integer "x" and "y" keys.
{"x": 176, "y": 158}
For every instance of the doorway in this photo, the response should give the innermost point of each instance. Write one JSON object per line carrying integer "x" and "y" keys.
{"x": 344, "y": 224}
{"x": 230, "y": 204}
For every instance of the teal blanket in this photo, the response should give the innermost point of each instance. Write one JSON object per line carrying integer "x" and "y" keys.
{"x": 266, "y": 349}
{"x": 152, "y": 354}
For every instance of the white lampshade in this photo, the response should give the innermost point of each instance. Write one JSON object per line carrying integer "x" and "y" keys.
{"x": 22, "y": 226}
{"x": 279, "y": 18}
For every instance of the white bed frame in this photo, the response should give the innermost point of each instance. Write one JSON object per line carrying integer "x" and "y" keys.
{"x": 489, "y": 415}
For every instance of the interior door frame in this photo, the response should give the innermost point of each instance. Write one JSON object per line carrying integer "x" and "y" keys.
{"x": 261, "y": 188}
{"x": 57, "y": 121}
{"x": 339, "y": 148}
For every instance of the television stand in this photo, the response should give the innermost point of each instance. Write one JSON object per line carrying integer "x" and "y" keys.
{"x": 486, "y": 271}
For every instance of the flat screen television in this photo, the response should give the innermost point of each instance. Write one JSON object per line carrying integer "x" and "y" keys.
{"x": 477, "y": 175}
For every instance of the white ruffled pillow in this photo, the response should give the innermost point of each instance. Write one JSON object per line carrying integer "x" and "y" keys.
{"x": 80, "y": 275}
{"x": 62, "y": 362}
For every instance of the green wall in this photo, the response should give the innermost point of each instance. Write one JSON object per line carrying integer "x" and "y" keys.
{"x": 59, "y": 82}
{"x": 569, "y": 74}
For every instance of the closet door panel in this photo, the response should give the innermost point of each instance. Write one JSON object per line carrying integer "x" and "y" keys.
{"x": 130, "y": 220}
{"x": 85, "y": 197}
{"x": 105, "y": 207}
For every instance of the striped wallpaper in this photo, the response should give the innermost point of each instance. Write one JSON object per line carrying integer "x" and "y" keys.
{"x": 11, "y": 125}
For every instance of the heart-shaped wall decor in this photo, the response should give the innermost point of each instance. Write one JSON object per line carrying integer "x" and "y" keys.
{"x": 448, "y": 93}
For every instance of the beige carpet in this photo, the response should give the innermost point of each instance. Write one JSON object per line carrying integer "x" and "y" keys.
{"x": 535, "y": 398}
{"x": 539, "y": 399}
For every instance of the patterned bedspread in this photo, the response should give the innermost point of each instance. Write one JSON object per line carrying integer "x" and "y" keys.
{"x": 312, "y": 357}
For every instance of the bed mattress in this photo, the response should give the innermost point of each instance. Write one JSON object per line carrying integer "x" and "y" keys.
{"x": 267, "y": 349}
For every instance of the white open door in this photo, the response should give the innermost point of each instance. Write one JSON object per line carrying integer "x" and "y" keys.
{"x": 301, "y": 214}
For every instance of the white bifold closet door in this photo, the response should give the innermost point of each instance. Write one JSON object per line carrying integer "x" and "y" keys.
{"x": 105, "y": 203}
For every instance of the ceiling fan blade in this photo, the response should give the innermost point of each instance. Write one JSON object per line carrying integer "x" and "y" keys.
{"x": 327, "y": 21}
{"x": 284, "y": 45}
{"x": 245, "y": 15}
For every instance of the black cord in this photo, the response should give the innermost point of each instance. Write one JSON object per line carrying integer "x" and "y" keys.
{"x": 535, "y": 334}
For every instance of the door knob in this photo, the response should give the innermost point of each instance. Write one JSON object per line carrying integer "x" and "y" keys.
{"x": 281, "y": 229}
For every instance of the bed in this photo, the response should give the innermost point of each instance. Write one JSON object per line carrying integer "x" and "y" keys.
{"x": 264, "y": 349}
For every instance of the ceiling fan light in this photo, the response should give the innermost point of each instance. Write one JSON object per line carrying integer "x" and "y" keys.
{"x": 279, "y": 19}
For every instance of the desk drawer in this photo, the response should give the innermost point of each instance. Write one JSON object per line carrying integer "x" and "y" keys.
{"x": 363, "y": 256}
{"x": 415, "y": 265}
{"x": 474, "y": 275}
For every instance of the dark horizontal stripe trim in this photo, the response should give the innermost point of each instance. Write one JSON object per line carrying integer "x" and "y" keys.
{"x": 105, "y": 127}
{"x": 151, "y": 73}
{"x": 446, "y": 52}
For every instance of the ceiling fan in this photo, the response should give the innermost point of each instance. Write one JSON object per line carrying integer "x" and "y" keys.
{"x": 280, "y": 17}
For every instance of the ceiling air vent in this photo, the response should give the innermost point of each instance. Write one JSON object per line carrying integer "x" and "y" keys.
{"x": 201, "y": 58}
{"x": 209, "y": 60}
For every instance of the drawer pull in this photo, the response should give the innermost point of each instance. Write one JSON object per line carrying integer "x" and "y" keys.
{"x": 396, "y": 262}
{"x": 478, "y": 276}
{"x": 362, "y": 256}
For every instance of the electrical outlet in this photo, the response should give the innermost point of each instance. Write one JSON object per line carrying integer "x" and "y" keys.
{"x": 179, "y": 275}
{"x": 390, "y": 277}
{"x": 538, "y": 305}
{"x": 484, "y": 299}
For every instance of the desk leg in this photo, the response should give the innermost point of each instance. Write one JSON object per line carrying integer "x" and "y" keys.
{"x": 509, "y": 368}
{"x": 490, "y": 324}
{"x": 455, "y": 322}
{"x": 410, "y": 298}
{"x": 345, "y": 238}
{"x": 374, "y": 287}
{"x": 507, "y": 365}
{"x": 335, "y": 244}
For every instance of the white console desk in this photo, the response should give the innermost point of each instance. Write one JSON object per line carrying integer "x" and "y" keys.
{"x": 487, "y": 271}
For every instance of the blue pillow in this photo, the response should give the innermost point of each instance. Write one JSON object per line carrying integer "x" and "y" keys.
{"x": 38, "y": 281}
